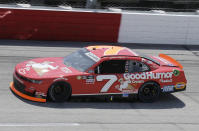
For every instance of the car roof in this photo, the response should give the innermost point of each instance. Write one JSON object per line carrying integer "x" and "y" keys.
{"x": 108, "y": 50}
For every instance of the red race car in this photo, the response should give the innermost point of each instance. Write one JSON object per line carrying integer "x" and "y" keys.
{"x": 98, "y": 70}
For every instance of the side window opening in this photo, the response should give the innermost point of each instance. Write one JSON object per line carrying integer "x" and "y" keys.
{"x": 111, "y": 67}
{"x": 136, "y": 66}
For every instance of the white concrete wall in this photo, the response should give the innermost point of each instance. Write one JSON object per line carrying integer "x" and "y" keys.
{"x": 193, "y": 31}
{"x": 159, "y": 28}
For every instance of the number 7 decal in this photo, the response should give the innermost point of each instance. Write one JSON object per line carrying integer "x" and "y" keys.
{"x": 112, "y": 79}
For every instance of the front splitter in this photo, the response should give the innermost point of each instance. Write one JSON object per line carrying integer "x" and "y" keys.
{"x": 24, "y": 95}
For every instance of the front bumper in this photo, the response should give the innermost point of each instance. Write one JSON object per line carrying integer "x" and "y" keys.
{"x": 25, "y": 96}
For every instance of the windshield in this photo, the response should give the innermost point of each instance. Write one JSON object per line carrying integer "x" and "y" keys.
{"x": 81, "y": 59}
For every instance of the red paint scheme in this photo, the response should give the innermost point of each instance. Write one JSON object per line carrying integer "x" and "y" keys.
{"x": 50, "y": 70}
{"x": 29, "y": 24}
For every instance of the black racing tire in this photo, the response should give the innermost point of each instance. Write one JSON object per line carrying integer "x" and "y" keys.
{"x": 149, "y": 92}
{"x": 59, "y": 91}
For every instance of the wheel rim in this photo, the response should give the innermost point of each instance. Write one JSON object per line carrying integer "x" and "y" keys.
{"x": 59, "y": 91}
{"x": 150, "y": 92}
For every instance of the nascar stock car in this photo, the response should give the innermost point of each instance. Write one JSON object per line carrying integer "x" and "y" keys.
{"x": 98, "y": 70}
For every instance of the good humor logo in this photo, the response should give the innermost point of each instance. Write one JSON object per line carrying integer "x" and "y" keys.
{"x": 148, "y": 75}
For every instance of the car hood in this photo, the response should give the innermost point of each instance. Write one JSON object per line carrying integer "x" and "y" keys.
{"x": 52, "y": 67}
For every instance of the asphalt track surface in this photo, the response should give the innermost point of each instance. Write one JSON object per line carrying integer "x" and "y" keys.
{"x": 176, "y": 112}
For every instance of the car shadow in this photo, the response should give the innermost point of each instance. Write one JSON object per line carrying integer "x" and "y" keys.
{"x": 166, "y": 101}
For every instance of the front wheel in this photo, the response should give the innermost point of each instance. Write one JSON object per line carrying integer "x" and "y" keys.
{"x": 149, "y": 92}
{"x": 59, "y": 91}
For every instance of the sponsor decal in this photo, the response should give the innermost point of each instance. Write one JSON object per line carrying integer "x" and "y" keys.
{"x": 24, "y": 70}
{"x": 125, "y": 86}
{"x": 110, "y": 50}
{"x": 125, "y": 95}
{"x": 79, "y": 77}
{"x": 40, "y": 94}
{"x": 180, "y": 85}
{"x": 42, "y": 68}
{"x": 92, "y": 56}
{"x": 176, "y": 72}
{"x": 168, "y": 88}
{"x": 39, "y": 68}
{"x": 166, "y": 81}
{"x": 113, "y": 50}
{"x": 89, "y": 79}
{"x": 66, "y": 70}
{"x": 148, "y": 75}
{"x": 137, "y": 81}
{"x": 84, "y": 77}
{"x": 30, "y": 89}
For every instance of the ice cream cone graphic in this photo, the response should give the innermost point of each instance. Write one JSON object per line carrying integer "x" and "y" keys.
{"x": 40, "y": 71}
{"x": 42, "y": 68}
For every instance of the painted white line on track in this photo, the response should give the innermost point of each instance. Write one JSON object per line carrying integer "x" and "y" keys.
{"x": 37, "y": 124}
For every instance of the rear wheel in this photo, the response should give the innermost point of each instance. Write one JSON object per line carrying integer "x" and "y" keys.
{"x": 149, "y": 92}
{"x": 59, "y": 91}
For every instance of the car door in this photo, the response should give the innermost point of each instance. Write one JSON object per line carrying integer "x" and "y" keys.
{"x": 108, "y": 76}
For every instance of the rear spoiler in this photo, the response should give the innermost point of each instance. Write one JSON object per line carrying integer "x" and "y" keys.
{"x": 170, "y": 59}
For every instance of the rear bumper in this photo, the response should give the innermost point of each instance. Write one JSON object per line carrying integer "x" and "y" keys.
{"x": 25, "y": 96}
